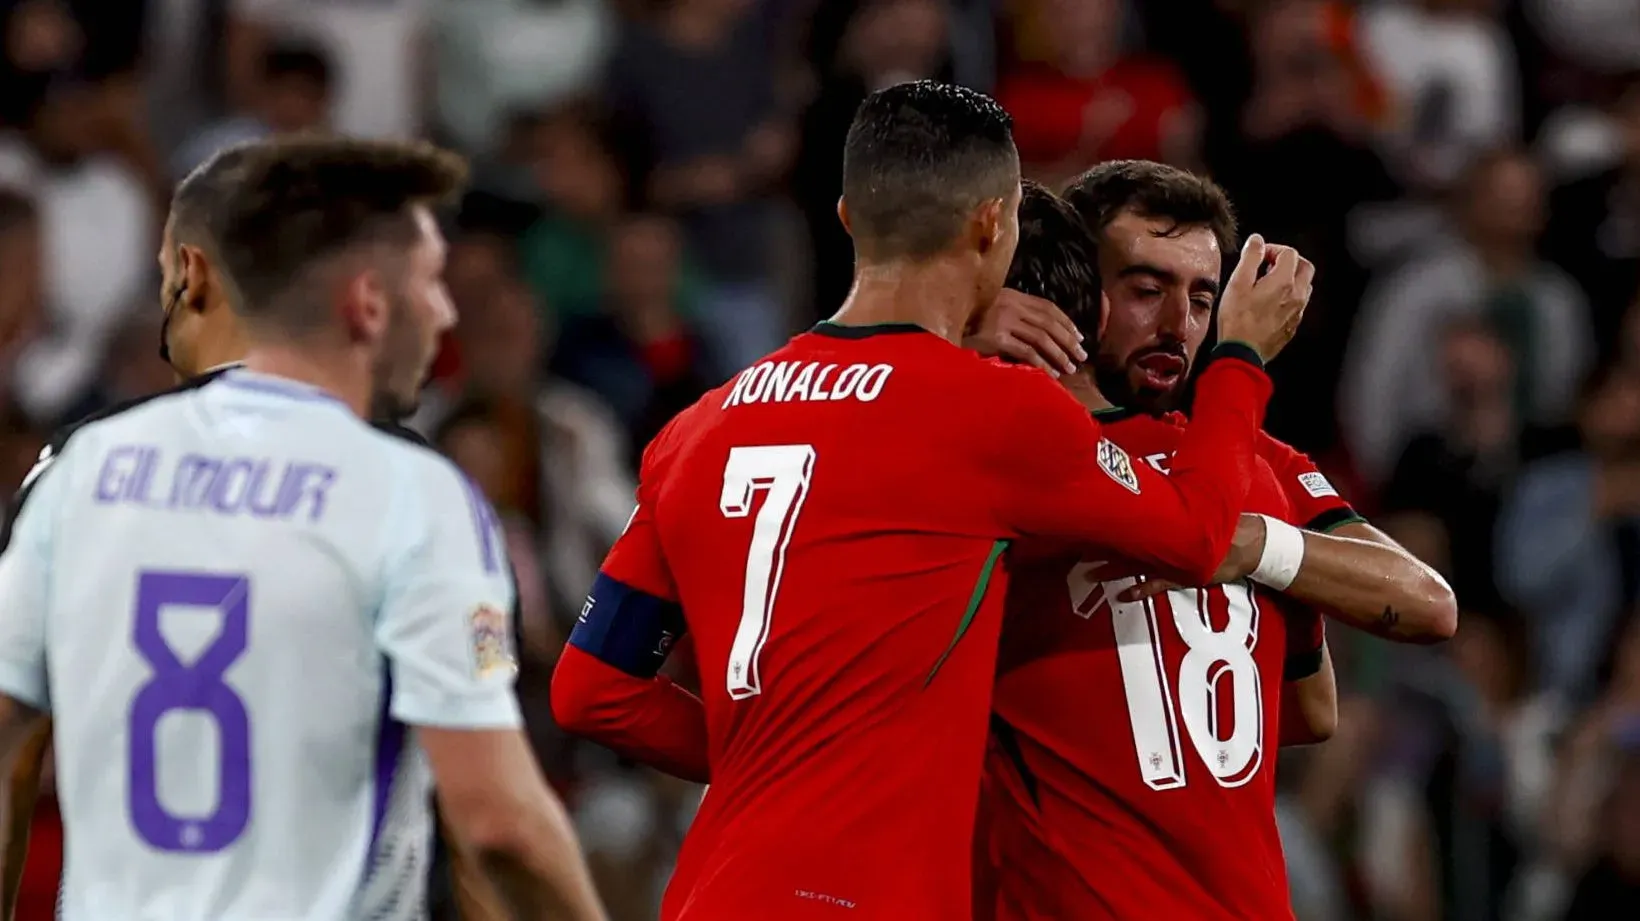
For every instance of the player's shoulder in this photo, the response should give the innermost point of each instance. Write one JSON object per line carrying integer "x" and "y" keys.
{"x": 994, "y": 384}
{"x": 117, "y": 414}
{"x": 689, "y": 425}
{"x": 1283, "y": 456}
{"x": 419, "y": 482}
{"x": 408, "y": 453}
{"x": 835, "y": 364}
{"x": 1300, "y": 477}
{"x": 1271, "y": 447}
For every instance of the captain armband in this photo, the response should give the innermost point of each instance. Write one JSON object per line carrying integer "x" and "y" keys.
{"x": 626, "y": 628}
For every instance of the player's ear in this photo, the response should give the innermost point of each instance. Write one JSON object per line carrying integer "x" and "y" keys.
{"x": 842, "y": 215}
{"x": 985, "y": 227}
{"x": 365, "y": 306}
{"x": 196, "y": 278}
{"x": 1104, "y": 312}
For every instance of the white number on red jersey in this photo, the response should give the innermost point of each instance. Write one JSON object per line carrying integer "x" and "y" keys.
{"x": 1212, "y": 658}
{"x": 783, "y": 471}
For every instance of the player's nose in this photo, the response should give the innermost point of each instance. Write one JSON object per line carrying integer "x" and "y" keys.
{"x": 444, "y": 310}
{"x": 1174, "y": 317}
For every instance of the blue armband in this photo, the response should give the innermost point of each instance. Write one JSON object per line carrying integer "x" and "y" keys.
{"x": 626, "y": 628}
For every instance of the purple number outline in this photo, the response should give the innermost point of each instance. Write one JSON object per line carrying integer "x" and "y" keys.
{"x": 198, "y": 686}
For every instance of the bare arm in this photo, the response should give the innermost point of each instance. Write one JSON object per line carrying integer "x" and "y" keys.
{"x": 1357, "y": 574}
{"x": 500, "y": 811}
{"x": 1361, "y": 576}
{"x": 22, "y": 793}
{"x": 475, "y": 898}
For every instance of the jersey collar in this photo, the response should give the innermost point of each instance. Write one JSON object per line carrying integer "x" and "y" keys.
{"x": 272, "y": 385}
{"x": 863, "y": 331}
{"x": 1112, "y": 414}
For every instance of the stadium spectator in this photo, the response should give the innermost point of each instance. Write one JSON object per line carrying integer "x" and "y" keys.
{"x": 1614, "y": 879}
{"x": 856, "y": 48}
{"x": 1448, "y": 70}
{"x": 376, "y": 44}
{"x": 1466, "y": 766}
{"x": 696, "y": 84}
{"x": 571, "y": 165}
{"x": 1452, "y": 477}
{"x": 130, "y": 367}
{"x": 1080, "y": 97}
{"x": 1594, "y": 228}
{"x": 1488, "y": 268}
{"x": 21, "y": 310}
{"x": 293, "y": 94}
{"x": 98, "y": 240}
{"x": 1569, "y": 539}
{"x": 561, "y": 455}
{"x": 639, "y": 354}
{"x": 1336, "y": 126}
{"x": 497, "y": 57}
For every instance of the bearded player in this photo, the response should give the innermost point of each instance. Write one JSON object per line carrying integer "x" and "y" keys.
{"x": 826, "y": 528}
{"x": 1163, "y": 806}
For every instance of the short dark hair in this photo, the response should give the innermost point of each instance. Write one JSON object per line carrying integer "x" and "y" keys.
{"x": 920, "y": 157}
{"x": 296, "y": 58}
{"x": 271, "y": 210}
{"x": 1157, "y": 191}
{"x": 197, "y": 202}
{"x": 1057, "y": 258}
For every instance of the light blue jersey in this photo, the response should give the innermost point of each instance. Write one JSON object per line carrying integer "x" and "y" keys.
{"x": 233, "y": 600}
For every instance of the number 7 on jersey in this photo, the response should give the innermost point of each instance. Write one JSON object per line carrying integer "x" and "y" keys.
{"x": 783, "y": 472}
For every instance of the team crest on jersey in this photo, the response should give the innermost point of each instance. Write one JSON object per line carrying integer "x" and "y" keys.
{"x": 492, "y": 642}
{"x": 1115, "y": 462}
{"x": 1316, "y": 485}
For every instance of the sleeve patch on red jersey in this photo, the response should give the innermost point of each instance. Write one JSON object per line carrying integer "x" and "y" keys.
{"x": 1115, "y": 462}
{"x": 1316, "y": 485}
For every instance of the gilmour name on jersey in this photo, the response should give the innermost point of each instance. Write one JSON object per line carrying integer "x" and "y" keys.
{"x": 257, "y": 486}
{"x": 808, "y": 381}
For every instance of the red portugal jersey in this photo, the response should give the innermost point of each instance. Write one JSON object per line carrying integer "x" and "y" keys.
{"x": 1131, "y": 772}
{"x": 831, "y": 523}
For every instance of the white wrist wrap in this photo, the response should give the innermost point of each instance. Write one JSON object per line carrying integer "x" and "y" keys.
{"x": 1283, "y": 554}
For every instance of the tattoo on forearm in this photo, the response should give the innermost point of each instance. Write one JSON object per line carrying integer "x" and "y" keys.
{"x": 1389, "y": 618}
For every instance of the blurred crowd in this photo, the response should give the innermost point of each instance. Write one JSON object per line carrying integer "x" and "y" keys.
{"x": 654, "y": 207}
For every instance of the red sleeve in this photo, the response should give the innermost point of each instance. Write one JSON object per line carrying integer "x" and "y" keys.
{"x": 1316, "y": 505}
{"x": 1056, "y": 477}
{"x": 650, "y": 720}
{"x": 637, "y": 558}
{"x": 1306, "y": 634}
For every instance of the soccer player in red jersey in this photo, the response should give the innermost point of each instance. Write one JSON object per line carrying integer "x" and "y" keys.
{"x": 1131, "y": 770}
{"x": 827, "y": 527}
